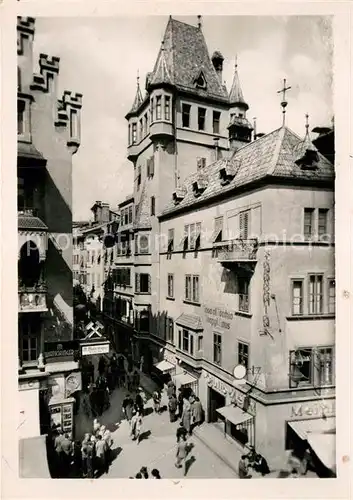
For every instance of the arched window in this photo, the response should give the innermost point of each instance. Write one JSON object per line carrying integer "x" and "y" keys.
{"x": 29, "y": 267}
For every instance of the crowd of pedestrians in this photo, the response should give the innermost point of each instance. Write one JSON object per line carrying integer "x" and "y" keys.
{"x": 143, "y": 474}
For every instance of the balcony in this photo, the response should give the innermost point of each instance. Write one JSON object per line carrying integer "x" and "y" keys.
{"x": 237, "y": 252}
{"x": 32, "y": 299}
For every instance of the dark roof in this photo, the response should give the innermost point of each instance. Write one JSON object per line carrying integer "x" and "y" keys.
{"x": 28, "y": 221}
{"x": 137, "y": 101}
{"x": 271, "y": 156}
{"x": 182, "y": 56}
{"x": 236, "y": 93}
{"x": 142, "y": 217}
{"x": 191, "y": 321}
{"x": 27, "y": 150}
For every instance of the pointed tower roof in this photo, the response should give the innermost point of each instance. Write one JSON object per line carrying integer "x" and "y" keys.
{"x": 305, "y": 151}
{"x": 138, "y": 99}
{"x": 182, "y": 56}
{"x": 236, "y": 94}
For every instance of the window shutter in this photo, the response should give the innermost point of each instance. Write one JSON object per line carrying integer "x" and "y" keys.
{"x": 179, "y": 339}
{"x": 246, "y": 225}
{"x": 137, "y": 282}
{"x": 152, "y": 166}
{"x": 241, "y": 224}
{"x": 149, "y": 283}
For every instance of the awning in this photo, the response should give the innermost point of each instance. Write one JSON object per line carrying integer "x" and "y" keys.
{"x": 184, "y": 379}
{"x": 318, "y": 425}
{"x": 234, "y": 414}
{"x": 164, "y": 366}
{"x": 190, "y": 321}
{"x": 324, "y": 447}
{"x": 33, "y": 458}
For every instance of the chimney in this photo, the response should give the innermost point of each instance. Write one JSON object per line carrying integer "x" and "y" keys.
{"x": 105, "y": 213}
{"x": 217, "y": 61}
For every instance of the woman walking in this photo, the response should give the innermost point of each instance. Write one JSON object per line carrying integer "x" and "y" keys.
{"x": 186, "y": 416}
{"x": 181, "y": 454}
{"x": 136, "y": 424}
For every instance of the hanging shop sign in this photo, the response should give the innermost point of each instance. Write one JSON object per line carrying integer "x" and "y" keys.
{"x": 62, "y": 350}
{"x": 73, "y": 383}
{"x": 320, "y": 408}
{"x": 98, "y": 348}
{"x": 57, "y": 386}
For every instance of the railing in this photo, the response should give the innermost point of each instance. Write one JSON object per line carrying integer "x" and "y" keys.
{"x": 237, "y": 250}
{"x": 32, "y": 299}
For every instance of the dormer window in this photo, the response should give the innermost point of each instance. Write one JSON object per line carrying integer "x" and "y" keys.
{"x": 201, "y": 163}
{"x": 178, "y": 195}
{"x": 199, "y": 186}
{"x": 227, "y": 173}
{"x": 200, "y": 81}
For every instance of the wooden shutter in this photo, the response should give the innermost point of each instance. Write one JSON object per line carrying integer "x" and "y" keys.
{"x": 137, "y": 282}
{"x": 149, "y": 283}
{"x": 152, "y": 166}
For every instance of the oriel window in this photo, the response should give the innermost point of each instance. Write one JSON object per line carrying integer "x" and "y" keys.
{"x": 158, "y": 107}
{"x": 167, "y": 107}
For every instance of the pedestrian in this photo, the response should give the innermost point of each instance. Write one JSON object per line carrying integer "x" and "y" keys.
{"x": 136, "y": 424}
{"x": 170, "y": 389}
{"x": 101, "y": 462}
{"x": 243, "y": 468}
{"x": 90, "y": 450}
{"x": 59, "y": 451}
{"x": 90, "y": 370}
{"x": 181, "y": 432}
{"x": 84, "y": 455}
{"x": 101, "y": 365}
{"x": 136, "y": 379}
{"x": 156, "y": 401}
{"x": 180, "y": 402}
{"x": 294, "y": 474}
{"x": 107, "y": 437}
{"x": 77, "y": 458}
{"x": 181, "y": 454}
{"x": 96, "y": 426}
{"x": 197, "y": 412}
{"x": 66, "y": 446}
{"x": 139, "y": 403}
{"x": 128, "y": 405}
{"x": 261, "y": 465}
{"x": 172, "y": 407}
{"x": 155, "y": 474}
{"x": 186, "y": 416}
{"x": 113, "y": 369}
{"x": 144, "y": 472}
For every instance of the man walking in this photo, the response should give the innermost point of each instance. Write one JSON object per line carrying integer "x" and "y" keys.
{"x": 181, "y": 454}
{"x": 186, "y": 416}
{"x": 128, "y": 405}
{"x": 156, "y": 401}
{"x": 101, "y": 449}
{"x": 181, "y": 432}
{"x": 172, "y": 406}
{"x": 197, "y": 411}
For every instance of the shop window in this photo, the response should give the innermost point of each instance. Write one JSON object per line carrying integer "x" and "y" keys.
{"x": 316, "y": 294}
{"x": 297, "y": 297}
{"x": 158, "y": 107}
{"x": 243, "y": 354}
{"x": 216, "y": 121}
{"x": 170, "y": 286}
{"x": 185, "y": 115}
{"x": 322, "y": 223}
{"x": 217, "y": 348}
{"x": 331, "y": 296}
{"x": 308, "y": 223}
{"x": 167, "y": 108}
{"x": 201, "y": 118}
{"x": 243, "y": 294}
{"x": 244, "y": 218}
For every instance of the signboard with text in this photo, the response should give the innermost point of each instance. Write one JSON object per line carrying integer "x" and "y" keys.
{"x": 60, "y": 351}
{"x": 89, "y": 349}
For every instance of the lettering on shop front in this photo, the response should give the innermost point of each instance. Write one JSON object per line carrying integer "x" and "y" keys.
{"x": 319, "y": 409}
{"x": 218, "y": 317}
{"x": 237, "y": 397}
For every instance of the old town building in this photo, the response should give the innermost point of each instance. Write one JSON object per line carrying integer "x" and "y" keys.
{"x": 48, "y": 136}
{"x": 233, "y": 252}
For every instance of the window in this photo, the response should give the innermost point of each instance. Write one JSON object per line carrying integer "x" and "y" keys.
{"x": 192, "y": 236}
{"x": 138, "y": 176}
{"x": 169, "y": 330}
{"x": 218, "y": 229}
{"x": 158, "y": 107}
{"x": 145, "y": 124}
{"x": 301, "y": 364}
{"x": 74, "y": 131}
{"x": 134, "y": 133}
{"x": 244, "y": 224}
{"x": 130, "y": 214}
{"x": 200, "y": 81}
{"x": 171, "y": 286}
{"x": 167, "y": 108}
{"x": 199, "y": 343}
{"x": 143, "y": 246}
{"x": 143, "y": 283}
{"x": 192, "y": 288}
{"x": 322, "y": 223}
{"x": 217, "y": 348}
{"x": 308, "y": 223}
{"x": 297, "y": 297}
{"x": 243, "y": 354}
{"x": 331, "y": 306}
{"x": 216, "y": 120}
{"x": 201, "y": 163}
{"x": 144, "y": 321}
{"x": 19, "y": 79}
{"x": 141, "y": 128}
{"x": 21, "y": 105}
{"x": 185, "y": 115}
{"x": 326, "y": 366}
{"x": 153, "y": 205}
{"x": 315, "y": 294}
{"x": 201, "y": 118}
{"x": 187, "y": 342}
{"x": 243, "y": 294}
{"x": 170, "y": 240}
{"x": 126, "y": 216}
{"x": 29, "y": 341}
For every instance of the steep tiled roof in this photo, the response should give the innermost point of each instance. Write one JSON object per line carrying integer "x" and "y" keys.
{"x": 138, "y": 100}
{"x": 192, "y": 321}
{"x": 182, "y": 56}
{"x": 236, "y": 93}
{"x": 29, "y": 222}
{"x": 142, "y": 217}
{"x": 271, "y": 156}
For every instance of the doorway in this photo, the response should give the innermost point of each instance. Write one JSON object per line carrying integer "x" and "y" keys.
{"x": 215, "y": 401}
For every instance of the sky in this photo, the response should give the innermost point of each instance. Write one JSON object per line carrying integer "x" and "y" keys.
{"x": 100, "y": 58}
